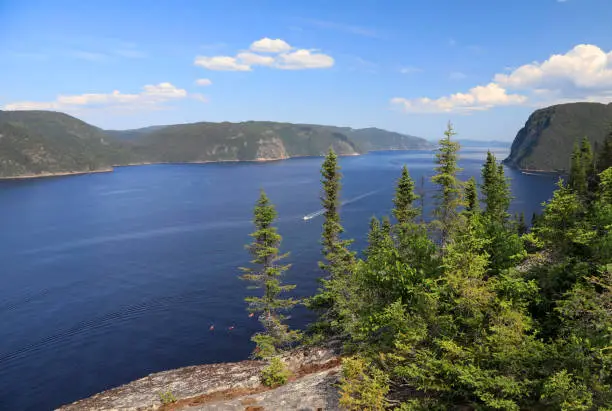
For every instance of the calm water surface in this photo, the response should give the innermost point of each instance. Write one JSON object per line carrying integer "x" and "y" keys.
{"x": 105, "y": 278}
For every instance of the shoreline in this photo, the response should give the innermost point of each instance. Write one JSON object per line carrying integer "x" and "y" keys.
{"x": 58, "y": 174}
{"x": 147, "y": 163}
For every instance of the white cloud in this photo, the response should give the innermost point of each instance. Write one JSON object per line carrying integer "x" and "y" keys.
{"x": 253, "y": 59}
{"x": 221, "y": 63}
{"x": 284, "y": 57}
{"x": 268, "y": 45}
{"x": 583, "y": 73}
{"x": 304, "y": 59}
{"x": 151, "y": 97}
{"x": 203, "y": 82}
{"x": 477, "y": 98}
{"x": 584, "y": 70}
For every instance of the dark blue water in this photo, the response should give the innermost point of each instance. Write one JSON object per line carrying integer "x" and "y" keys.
{"x": 105, "y": 278}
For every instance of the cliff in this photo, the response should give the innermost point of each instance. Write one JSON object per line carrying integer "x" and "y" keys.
{"x": 228, "y": 386}
{"x": 546, "y": 141}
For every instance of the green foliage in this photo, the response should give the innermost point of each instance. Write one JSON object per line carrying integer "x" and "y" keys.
{"x": 404, "y": 212}
{"x": 604, "y": 159}
{"x": 334, "y": 302}
{"x": 266, "y": 275}
{"x": 449, "y": 197}
{"x": 275, "y": 373}
{"x": 471, "y": 197}
{"x": 167, "y": 397}
{"x": 473, "y": 320}
{"x": 562, "y": 392}
{"x": 362, "y": 387}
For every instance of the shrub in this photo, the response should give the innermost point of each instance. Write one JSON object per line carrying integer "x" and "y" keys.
{"x": 362, "y": 387}
{"x": 275, "y": 373}
{"x": 167, "y": 397}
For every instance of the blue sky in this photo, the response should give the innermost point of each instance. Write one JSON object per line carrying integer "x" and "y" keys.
{"x": 407, "y": 66}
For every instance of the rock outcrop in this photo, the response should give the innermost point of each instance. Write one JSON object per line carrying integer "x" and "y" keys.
{"x": 227, "y": 386}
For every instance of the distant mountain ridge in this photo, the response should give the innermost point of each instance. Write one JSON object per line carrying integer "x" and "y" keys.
{"x": 34, "y": 143}
{"x": 546, "y": 141}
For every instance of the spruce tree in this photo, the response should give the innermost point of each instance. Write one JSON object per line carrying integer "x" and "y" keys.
{"x": 495, "y": 189}
{"x": 266, "y": 275}
{"x": 404, "y": 211}
{"x": 334, "y": 299}
{"x": 449, "y": 195}
{"x": 577, "y": 177}
{"x": 604, "y": 158}
{"x": 471, "y": 197}
{"x": 586, "y": 159}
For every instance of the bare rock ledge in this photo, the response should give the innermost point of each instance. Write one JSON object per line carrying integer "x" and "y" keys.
{"x": 228, "y": 386}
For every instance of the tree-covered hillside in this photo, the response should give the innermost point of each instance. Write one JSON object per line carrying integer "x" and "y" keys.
{"x": 36, "y": 142}
{"x": 546, "y": 141}
{"x": 43, "y": 142}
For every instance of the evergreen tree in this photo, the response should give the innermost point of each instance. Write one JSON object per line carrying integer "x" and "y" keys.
{"x": 495, "y": 189}
{"x": 586, "y": 159}
{"x": 386, "y": 225}
{"x": 266, "y": 274}
{"x": 577, "y": 177}
{"x": 449, "y": 197}
{"x": 375, "y": 235}
{"x": 404, "y": 211}
{"x": 604, "y": 159}
{"x": 334, "y": 300}
{"x": 471, "y": 197}
{"x": 521, "y": 226}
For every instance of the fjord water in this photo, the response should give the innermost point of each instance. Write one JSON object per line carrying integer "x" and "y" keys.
{"x": 106, "y": 278}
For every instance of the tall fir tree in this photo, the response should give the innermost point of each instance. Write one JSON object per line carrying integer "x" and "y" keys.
{"x": 604, "y": 158}
{"x": 404, "y": 211}
{"x": 577, "y": 176}
{"x": 472, "y": 204}
{"x": 334, "y": 299}
{"x": 266, "y": 275}
{"x": 495, "y": 190}
{"x": 449, "y": 196}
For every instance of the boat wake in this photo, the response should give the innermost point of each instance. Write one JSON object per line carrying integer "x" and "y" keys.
{"x": 352, "y": 200}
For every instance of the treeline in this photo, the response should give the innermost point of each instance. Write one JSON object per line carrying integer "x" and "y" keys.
{"x": 468, "y": 311}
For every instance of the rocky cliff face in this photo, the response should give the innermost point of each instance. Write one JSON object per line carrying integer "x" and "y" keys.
{"x": 228, "y": 386}
{"x": 547, "y": 139}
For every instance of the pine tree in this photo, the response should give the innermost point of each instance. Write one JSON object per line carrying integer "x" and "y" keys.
{"x": 404, "y": 211}
{"x": 449, "y": 196}
{"x": 471, "y": 197}
{"x": 266, "y": 274}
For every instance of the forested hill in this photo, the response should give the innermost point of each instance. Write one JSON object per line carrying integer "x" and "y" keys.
{"x": 547, "y": 140}
{"x": 45, "y": 142}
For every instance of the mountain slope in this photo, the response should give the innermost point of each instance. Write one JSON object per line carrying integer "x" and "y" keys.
{"x": 38, "y": 142}
{"x": 261, "y": 140}
{"x": 44, "y": 142}
{"x": 547, "y": 139}
{"x": 371, "y": 139}
{"x": 252, "y": 140}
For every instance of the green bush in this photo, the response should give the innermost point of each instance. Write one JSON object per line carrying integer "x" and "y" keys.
{"x": 275, "y": 373}
{"x": 167, "y": 397}
{"x": 362, "y": 387}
